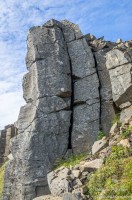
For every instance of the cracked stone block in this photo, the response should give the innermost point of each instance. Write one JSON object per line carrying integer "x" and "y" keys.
{"x": 121, "y": 81}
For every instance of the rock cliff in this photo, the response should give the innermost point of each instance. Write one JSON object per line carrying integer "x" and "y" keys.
{"x": 5, "y": 137}
{"x": 74, "y": 87}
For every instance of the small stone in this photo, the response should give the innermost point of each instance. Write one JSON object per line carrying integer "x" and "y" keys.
{"x": 104, "y": 153}
{"x": 126, "y": 122}
{"x": 125, "y": 143}
{"x": 76, "y": 173}
{"x": 82, "y": 162}
{"x": 69, "y": 196}
{"x": 114, "y": 140}
{"x": 91, "y": 165}
{"x": 10, "y": 157}
{"x": 114, "y": 129}
{"x": 76, "y": 167}
{"x": 89, "y": 37}
{"x": 77, "y": 183}
{"x": 99, "y": 145}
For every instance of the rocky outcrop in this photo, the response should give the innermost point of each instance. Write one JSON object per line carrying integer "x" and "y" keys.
{"x": 60, "y": 64}
{"x": 5, "y": 137}
{"x": 107, "y": 112}
{"x": 71, "y": 93}
{"x": 72, "y": 181}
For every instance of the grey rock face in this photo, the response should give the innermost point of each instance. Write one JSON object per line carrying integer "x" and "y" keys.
{"x": 86, "y": 96}
{"x": 120, "y": 70}
{"x": 69, "y": 196}
{"x": 57, "y": 181}
{"x": 126, "y": 114}
{"x": 56, "y": 117}
{"x": 43, "y": 123}
{"x": 99, "y": 145}
{"x": 5, "y": 137}
{"x": 107, "y": 111}
{"x": 70, "y": 88}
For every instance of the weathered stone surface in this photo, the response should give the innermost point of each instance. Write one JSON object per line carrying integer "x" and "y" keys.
{"x": 85, "y": 127}
{"x": 43, "y": 123}
{"x": 73, "y": 88}
{"x": 119, "y": 64}
{"x": 117, "y": 58}
{"x": 71, "y": 31}
{"x": 69, "y": 196}
{"x": 121, "y": 80}
{"x": 48, "y": 197}
{"x": 91, "y": 165}
{"x": 81, "y": 58}
{"x": 125, "y": 143}
{"x": 99, "y": 145}
{"x": 57, "y": 181}
{"x": 107, "y": 111}
{"x": 126, "y": 114}
{"x": 5, "y": 137}
{"x": 86, "y": 96}
{"x": 114, "y": 129}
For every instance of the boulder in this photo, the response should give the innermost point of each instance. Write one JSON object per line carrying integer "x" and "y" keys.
{"x": 125, "y": 143}
{"x": 119, "y": 64}
{"x": 126, "y": 114}
{"x": 114, "y": 129}
{"x": 48, "y": 197}
{"x": 99, "y": 145}
{"x": 91, "y": 165}
{"x": 57, "y": 181}
{"x": 69, "y": 196}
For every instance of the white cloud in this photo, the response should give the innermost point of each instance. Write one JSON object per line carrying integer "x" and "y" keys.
{"x": 10, "y": 106}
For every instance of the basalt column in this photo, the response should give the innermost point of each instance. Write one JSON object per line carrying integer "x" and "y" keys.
{"x": 85, "y": 84}
{"x": 43, "y": 123}
{"x": 61, "y": 90}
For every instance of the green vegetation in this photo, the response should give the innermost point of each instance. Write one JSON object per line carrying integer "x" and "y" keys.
{"x": 116, "y": 119}
{"x": 2, "y": 169}
{"x": 72, "y": 161}
{"x": 126, "y": 132}
{"x": 114, "y": 179}
{"x": 100, "y": 135}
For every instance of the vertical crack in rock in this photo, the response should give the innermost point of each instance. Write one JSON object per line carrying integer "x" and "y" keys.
{"x": 71, "y": 107}
{"x": 99, "y": 89}
{"x": 72, "y": 98}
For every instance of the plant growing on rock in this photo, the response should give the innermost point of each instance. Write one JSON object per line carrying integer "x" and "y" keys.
{"x": 116, "y": 119}
{"x": 126, "y": 132}
{"x": 100, "y": 135}
{"x": 71, "y": 161}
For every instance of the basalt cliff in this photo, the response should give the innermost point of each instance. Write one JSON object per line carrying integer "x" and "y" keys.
{"x": 74, "y": 87}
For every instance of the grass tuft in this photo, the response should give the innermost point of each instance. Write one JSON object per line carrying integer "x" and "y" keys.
{"x": 116, "y": 119}
{"x": 100, "y": 135}
{"x": 2, "y": 169}
{"x": 72, "y": 161}
{"x": 114, "y": 179}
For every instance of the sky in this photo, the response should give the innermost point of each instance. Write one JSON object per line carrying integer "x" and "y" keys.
{"x": 109, "y": 18}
